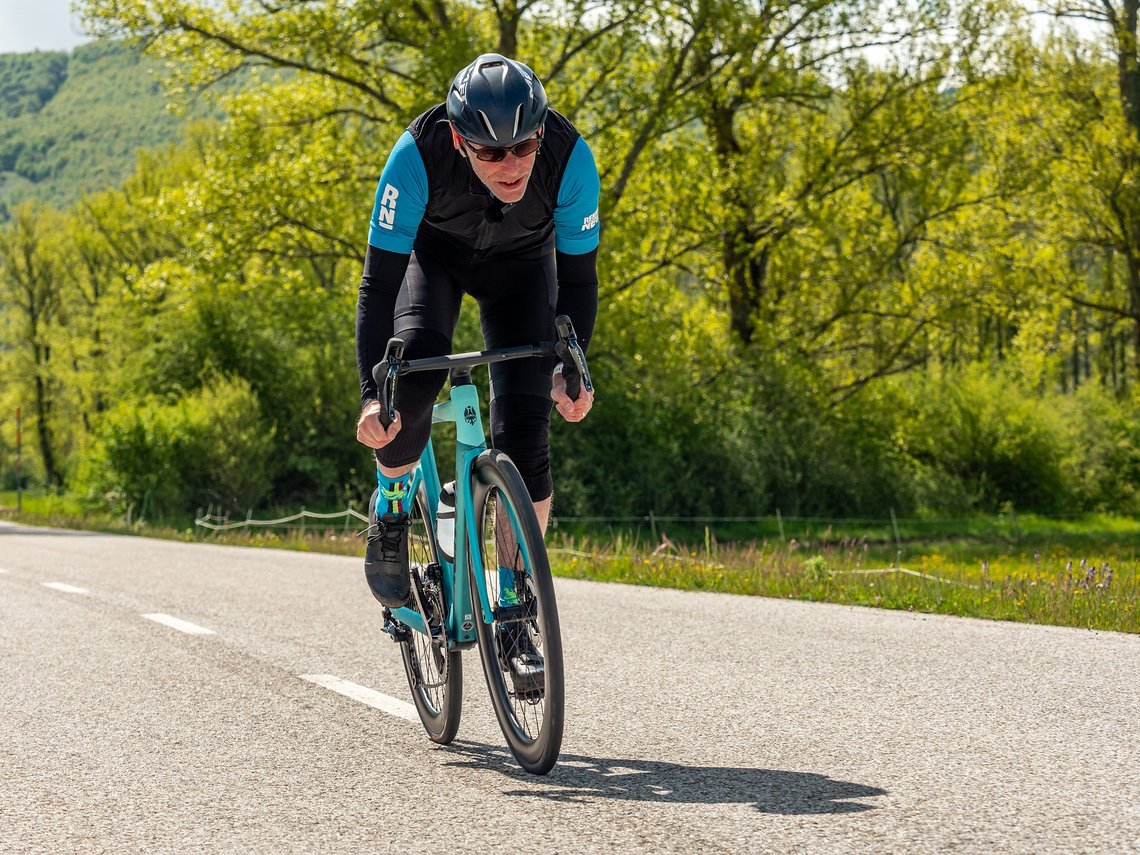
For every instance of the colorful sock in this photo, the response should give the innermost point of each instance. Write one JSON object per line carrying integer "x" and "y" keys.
{"x": 507, "y": 595}
{"x": 393, "y": 496}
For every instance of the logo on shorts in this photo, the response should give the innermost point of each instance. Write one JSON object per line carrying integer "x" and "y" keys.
{"x": 469, "y": 415}
{"x": 386, "y": 212}
{"x": 590, "y": 221}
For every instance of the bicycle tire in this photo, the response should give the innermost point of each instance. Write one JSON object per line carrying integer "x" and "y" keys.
{"x": 435, "y": 674}
{"x": 531, "y": 722}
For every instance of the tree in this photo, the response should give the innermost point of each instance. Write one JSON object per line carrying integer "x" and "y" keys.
{"x": 32, "y": 285}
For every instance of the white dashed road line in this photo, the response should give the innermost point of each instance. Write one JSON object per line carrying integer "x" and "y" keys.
{"x": 371, "y": 697}
{"x": 63, "y": 586}
{"x": 178, "y": 624}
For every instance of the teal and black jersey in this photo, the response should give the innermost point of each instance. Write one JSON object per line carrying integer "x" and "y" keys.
{"x": 432, "y": 212}
{"x": 429, "y": 194}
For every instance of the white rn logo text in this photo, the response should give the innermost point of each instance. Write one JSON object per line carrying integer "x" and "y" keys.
{"x": 590, "y": 221}
{"x": 386, "y": 214}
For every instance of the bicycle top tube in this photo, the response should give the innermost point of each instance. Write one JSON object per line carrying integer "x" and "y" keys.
{"x": 468, "y": 360}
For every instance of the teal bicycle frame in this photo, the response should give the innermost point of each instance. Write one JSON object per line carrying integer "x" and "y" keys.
{"x": 470, "y": 441}
{"x": 455, "y": 601}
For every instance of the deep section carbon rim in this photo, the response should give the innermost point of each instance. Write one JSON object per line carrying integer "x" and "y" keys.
{"x": 530, "y": 711}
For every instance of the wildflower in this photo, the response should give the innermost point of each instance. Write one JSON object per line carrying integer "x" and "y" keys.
{"x": 985, "y": 567}
{"x": 1107, "y": 577}
{"x": 1090, "y": 576}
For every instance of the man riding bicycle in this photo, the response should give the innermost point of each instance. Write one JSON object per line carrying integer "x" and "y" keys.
{"x": 491, "y": 194}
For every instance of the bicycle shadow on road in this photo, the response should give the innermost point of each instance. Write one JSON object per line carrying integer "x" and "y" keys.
{"x": 580, "y": 779}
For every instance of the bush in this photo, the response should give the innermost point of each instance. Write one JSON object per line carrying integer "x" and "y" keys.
{"x": 979, "y": 440}
{"x": 1102, "y": 440}
{"x": 211, "y": 446}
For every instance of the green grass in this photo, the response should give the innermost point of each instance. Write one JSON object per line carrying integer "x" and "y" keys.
{"x": 1059, "y": 585}
{"x": 1079, "y": 572}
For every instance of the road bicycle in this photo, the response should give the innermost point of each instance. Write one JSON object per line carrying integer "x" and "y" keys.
{"x": 461, "y": 597}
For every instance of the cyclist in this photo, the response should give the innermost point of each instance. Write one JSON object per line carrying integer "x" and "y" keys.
{"x": 492, "y": 194}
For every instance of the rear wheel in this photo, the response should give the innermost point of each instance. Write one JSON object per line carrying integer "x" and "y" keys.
{"x": 435, "y": 674}
{"x": 530, "y": 709}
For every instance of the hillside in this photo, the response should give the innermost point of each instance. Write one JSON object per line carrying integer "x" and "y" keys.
{"x": 72, "y": 123}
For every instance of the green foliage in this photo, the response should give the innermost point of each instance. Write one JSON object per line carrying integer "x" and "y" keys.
{"x": 985, "y": 443}
{"x": 28, "y": 81}
{"x": 211, "y": 446}
{"x": 1102, "y": 449}
{"x": 828, "y": 285}
{"x": 74, "y": 122}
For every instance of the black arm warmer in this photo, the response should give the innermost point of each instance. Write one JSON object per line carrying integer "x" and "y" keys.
{"x": 578, "y": 292}
{"x": 375, "y": 310}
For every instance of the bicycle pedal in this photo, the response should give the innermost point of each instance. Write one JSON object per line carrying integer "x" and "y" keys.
{"x": 532, "y": 697}
{"x": 530, "y": 687}
{"x": 396, "y": 630}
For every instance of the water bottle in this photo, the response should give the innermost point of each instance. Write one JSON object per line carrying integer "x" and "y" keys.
{"x": 445, "y": 521}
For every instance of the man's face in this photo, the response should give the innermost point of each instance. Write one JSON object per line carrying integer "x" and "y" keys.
{"x": 506, "y": 179}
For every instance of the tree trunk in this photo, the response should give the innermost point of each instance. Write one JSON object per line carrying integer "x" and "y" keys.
{"x": 745, "y": 259}
{"x": 1129, "y": 83}
{"x": 1126, "y": 63}
{"x": 509, "y": 16}
{"x": 43, "y": 431}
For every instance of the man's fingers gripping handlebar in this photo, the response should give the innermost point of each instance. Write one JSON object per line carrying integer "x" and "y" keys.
{"x": 386, "y": 374}
{"x": 574, "y": 369}
{"x": 571, "y": 388}
{"x": 379, "y": 422}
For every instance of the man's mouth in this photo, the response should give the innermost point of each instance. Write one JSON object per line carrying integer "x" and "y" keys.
{"x": 511, "y": 185}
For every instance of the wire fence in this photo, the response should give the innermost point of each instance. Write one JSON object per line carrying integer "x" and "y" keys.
{"x": 786, "y": 528}
{"x": 217, "y": 521}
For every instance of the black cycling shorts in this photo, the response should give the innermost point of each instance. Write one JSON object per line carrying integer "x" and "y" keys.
{"x": 517, "y": 301}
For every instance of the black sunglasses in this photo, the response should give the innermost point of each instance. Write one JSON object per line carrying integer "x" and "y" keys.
{"x": 496, "y": 155}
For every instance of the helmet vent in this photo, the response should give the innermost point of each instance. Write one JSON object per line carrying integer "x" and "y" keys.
{"x": 518, "y": 121}
{"x": 487, "y": 124}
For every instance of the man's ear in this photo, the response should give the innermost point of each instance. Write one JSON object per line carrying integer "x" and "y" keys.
{"x": 455, "y": 141}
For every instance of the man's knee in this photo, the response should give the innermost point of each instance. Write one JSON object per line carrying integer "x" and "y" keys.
{"x": 416, "y": 393}
{"x": 520, "y": 426}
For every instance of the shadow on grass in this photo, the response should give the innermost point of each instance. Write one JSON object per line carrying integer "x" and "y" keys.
{"x": 581, "y": 779}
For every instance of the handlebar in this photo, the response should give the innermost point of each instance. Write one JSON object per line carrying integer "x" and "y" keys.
{"x": 566, "y": 348}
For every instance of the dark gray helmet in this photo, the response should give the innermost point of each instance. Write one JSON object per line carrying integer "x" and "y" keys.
{"x": 496, "y": 101}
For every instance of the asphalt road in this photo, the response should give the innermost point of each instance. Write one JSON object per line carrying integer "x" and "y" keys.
{"x": 696, "y": 722}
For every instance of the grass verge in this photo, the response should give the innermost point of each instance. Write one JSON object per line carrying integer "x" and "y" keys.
{"x": 1076, "y": 572}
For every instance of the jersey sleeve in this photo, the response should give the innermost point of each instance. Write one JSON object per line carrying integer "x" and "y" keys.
{"x": 576, "y": 225}
{"x": 401, "y": 198}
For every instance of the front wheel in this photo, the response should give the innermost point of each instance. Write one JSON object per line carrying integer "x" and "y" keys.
{"x": 529, "y": 701}
{"x": 435, "y": 674}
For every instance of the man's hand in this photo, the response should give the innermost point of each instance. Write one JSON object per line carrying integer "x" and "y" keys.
{"x": 369, "y": 430}
{"x": 572, "y": 411}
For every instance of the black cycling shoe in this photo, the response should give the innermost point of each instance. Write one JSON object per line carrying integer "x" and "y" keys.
{"x": 386, "y": 557}
{"x": 522, "y": 660}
